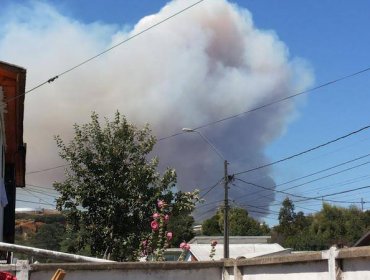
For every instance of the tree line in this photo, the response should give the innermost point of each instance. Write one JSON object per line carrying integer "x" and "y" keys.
{"x": 332, "y": 225}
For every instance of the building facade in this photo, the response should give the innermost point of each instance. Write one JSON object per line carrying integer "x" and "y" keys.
{"x": 13, "y": 149}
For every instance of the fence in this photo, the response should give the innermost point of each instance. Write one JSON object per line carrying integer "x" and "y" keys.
{"x": 334, "y": 264}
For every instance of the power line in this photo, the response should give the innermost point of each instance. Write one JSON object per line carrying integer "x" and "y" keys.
{"x": 336, "y": 193}
{"x": 290, "y": 194}
{"x": 305, "y": 151}
{"x": 272, "y": 103}
{"x": 27, "y": 201}
{"x": 320, "y": 178}
{"x": 42, "y": 188}
{"x": 52, "y": 79}
{"x": 322, "y": 170}
{"x": 262, "y": 166}
{"x": 46, "y": 169}
{"x": 37, "y": 197}
{"x": 327, "y": 176}
{"x": 211, "y": 188}
{"x": 43, "y": 193}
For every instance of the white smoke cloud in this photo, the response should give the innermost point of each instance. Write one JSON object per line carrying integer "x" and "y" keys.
{"x": 205, "y": 64}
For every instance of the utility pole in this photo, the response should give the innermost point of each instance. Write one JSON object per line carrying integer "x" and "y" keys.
{"x": 226, "y": 191}
{"x": 362, "y": 204}
{"x": 226, "y": 212}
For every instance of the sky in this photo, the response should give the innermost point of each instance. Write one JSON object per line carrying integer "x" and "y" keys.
{"x": 213, "y": 61}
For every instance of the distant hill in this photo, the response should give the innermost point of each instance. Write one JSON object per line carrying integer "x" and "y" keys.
{"x": 36, "y": 229}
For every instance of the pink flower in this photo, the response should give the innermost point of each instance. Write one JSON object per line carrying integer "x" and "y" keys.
{"x": 161, "y": 204}
{"x": 187, "y": 247}
{"x": 166, "y": 218}
{"x": 145, "y": 243}
{"x": 156, "y": 216}
{"x": 169, "y": 235}
{"x": 182, "y": 245}
{"x": 213, "y": 243}
{"x": 154, "y": 225}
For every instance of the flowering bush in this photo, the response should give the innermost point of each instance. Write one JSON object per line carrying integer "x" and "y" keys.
{"x": 213, "y": 249}
{"x": 185, "y": 248}
{"x": 154, "y": 244}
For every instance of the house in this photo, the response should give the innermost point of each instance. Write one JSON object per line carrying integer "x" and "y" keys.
{"x": 13, "y": 150}
{"x": 232, "y": 239}
{"x": 201, "y": 252}
{"x": 239, "y": 247}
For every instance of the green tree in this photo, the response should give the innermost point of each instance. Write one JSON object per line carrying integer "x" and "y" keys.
{"x": 211, "y": 226}
{"x": 332, "y": 225}
{"x": 182, "y": 227}
{"x": 48, "y": 237}
{"x": 287, "y": 217}
{"x": 111, "y": 187}
{"x": 240, "y": 223}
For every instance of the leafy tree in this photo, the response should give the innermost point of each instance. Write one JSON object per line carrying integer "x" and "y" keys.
{"x": 48, "y": 237}
{"x": 111, "y": 187}
{"x": 332, "y": 225}
{"x": 211, "y": 226}
{"x": 287, "y": 217}
{"x": 240, "y": 223}
{"x": 182, "y": 226}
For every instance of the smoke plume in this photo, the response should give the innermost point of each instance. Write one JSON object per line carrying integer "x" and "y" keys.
{"x": 207, "y": 63}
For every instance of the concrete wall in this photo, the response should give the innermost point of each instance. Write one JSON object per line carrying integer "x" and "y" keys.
{"x": 132, "y": 271}
{"x": 334, "y": 264}
{"x": 344, "y": 264}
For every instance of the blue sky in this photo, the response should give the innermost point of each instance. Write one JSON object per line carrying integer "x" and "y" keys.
{"x": 334, "y": 40}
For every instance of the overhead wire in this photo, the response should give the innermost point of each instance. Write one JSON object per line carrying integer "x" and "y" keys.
{"x": 341, "y": 192}
{"x": 46, "y": 169}
{"x": 290, "y": 194}
{"x": 210, "y": 188}
{"x": 49, "y": 189}
{"x": 39, "y": 192}
{"x": 52, "y": 79}
{"x": 34, "y": 202}
{"x": 317, "y": 179}
{"x": 305, "y": 151}
{"x": 271, "y": 103}
{"x": 41, "y": 199}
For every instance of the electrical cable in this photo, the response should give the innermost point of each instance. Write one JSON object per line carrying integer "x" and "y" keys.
{"x": 211, "y": 188}
{"x": 341, "y": 192}
{"x": 38, "y": 197}
{"x": 43, "y": 188}
{"x": 40, "y": 192}
{"x": 322, "y": 170}
{"x": 52, "y": 79}
{"x": 318, "y": 179}
{"x": 272, "y": 103}
{"x": 46, "y": 169}
{"x": 27, "y": 201}
{"x": 290, "y": 194}
{"x": 305, "y": 151}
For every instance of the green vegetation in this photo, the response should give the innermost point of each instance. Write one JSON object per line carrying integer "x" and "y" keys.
{"x": 239, "y": 221}
{"x": 112, "y": 187}
{"x": 331, "y": 226}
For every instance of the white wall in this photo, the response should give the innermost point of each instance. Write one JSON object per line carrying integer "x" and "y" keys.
{"x": 294, "y": 271}
{"x": 345, "y": 264}
{"x": 356, "y": 269}
{"x": 132, "y": 271}
{"x": 157, "y": 274}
